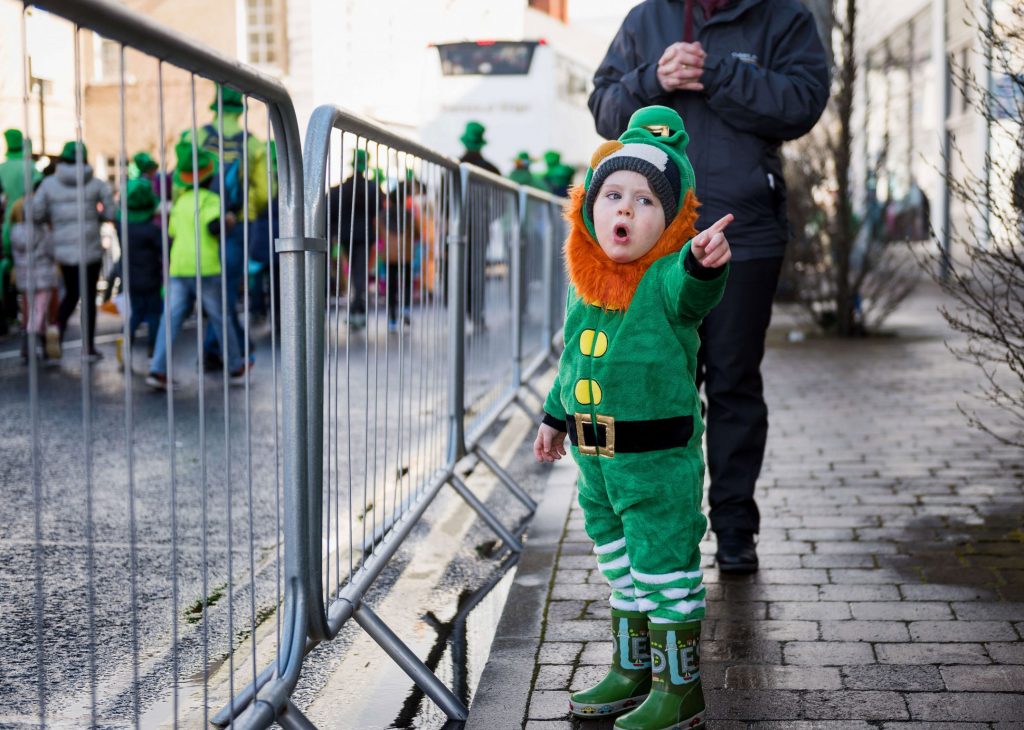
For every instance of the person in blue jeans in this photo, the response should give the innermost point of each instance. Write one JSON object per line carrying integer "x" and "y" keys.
{"x": 242, "y": 194}
{"x": 183, "y": 289}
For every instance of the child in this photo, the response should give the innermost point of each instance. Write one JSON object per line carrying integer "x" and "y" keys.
{"x": 38, "y": 272}
{"x": 145, "y": 269}
{"x": 625, "y": 393}
{"x": 181, "y": 226}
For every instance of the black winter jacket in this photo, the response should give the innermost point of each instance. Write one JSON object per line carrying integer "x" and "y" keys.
{"x": 765, "y": 80}
{"x": 358, "y": 199}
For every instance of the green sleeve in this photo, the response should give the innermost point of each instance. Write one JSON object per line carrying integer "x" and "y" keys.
{"x": 553, "y": 408}
{"x": 553, "y": 405}
{"x": 691, "y": 292}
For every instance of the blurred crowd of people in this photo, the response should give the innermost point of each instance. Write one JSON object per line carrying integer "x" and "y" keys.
{"x": 53, "y": 247}
{"x": 200, "y": 219}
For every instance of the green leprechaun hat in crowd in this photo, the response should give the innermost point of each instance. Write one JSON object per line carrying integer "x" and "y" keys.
{"x": 185, "y": 173}
{"x": 473, "y": 138}
{"x": 142, "y": 201}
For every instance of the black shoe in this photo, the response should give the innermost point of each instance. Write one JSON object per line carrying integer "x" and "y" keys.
{"x": 736, "y": 551}
{"x": 212, "y": 363}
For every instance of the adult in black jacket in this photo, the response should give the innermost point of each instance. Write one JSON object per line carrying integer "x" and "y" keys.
{"x": 745, "y": 75}
{"x": 352, "y": 223}
{"x": 473, "y": 140}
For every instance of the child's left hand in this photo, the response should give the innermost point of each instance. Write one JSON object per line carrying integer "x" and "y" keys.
{"x": 710, "y": 247}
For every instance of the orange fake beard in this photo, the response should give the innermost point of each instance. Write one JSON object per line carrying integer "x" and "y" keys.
{"x": 602, "y": 282}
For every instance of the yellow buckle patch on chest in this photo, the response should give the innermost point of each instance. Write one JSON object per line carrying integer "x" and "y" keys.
{"x": 593, "y": 343}
{"x": 584, "y": 419}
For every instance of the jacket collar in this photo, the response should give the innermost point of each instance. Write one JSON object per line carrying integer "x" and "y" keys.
{"x": 724, "y": 15}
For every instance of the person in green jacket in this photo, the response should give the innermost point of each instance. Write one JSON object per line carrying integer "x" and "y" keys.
{"x": 195, "y": 244}
{"x": 558, "y": 176}
{"x": 641, "y": 281}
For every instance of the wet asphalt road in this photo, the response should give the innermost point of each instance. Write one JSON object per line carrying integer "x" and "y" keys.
{"x": 182, "y": 529}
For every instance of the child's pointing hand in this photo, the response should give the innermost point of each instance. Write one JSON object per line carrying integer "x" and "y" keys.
{"x": 710, "y": 247}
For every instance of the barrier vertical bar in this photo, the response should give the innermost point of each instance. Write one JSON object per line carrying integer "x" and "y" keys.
{"x": 39, "y": 594}
{"x": 457, "y": 243}
{"x": 548, "y": 277}
{"x": 518, "y": 243}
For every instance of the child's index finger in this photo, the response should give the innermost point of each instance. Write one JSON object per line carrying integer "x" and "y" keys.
{"x": 721, "y": 224}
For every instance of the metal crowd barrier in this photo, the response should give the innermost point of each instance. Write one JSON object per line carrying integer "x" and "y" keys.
{"x": 218, "y": 535}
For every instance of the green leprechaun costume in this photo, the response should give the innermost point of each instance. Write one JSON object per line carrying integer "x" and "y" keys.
{"x": 625, "y": 393}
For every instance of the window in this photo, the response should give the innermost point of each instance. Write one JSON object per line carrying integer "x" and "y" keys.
{"x": 107, "y": 60}
{"x": 486, "y": 58}
{"x": 261, "y": 32}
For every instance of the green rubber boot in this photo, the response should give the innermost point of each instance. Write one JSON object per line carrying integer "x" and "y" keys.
{"x": 676, "y": 701}
{"x": 629, "y": 678}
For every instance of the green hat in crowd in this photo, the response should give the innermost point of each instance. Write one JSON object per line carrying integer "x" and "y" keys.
{"x": 654, "y": 145}
{"x": 142, "y": 201}
{"x": 184, "y": 173}
{"x": 15, "y": 140}
{"x": 69, "y": 152}
{"x": 473, "y": 137}
{"x": 231, "y": 100}
{"x": 560, "y": 175}
{"x": 552, "y": 159}
{"x": 523, "y": 160}
{"x": 358, "y": 160}
{"x": 144, "y": 162}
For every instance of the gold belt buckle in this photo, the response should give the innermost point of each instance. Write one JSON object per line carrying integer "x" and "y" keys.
{"x": 608, "y": 422}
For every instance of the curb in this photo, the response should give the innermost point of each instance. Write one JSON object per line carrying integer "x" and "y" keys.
{"x": 503, "y": 694}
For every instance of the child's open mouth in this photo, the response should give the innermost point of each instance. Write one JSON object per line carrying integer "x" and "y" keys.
{"x": 621, "y": 233}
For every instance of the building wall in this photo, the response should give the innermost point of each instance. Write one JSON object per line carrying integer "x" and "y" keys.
{"x": 901, "y": 96}
{"x": 51, "y": 60}
{"x": 211, "y": 22}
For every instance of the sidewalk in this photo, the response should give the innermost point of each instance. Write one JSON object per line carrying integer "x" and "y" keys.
{"x": 891, "y": 589}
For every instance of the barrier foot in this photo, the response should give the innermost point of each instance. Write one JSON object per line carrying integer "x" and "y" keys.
{"x": 243, "y": 698}
{"x": 433, "y": 687}
{"x": 507, "y": 537}
{"x": 293, "y": 719}
{"x": 507, "y": 480}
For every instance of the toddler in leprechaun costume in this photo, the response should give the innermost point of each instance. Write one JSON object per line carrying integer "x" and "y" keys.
{"x": 641, "y": 280}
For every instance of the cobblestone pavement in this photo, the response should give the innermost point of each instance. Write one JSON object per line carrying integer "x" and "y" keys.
{"x": 891, "y": 589}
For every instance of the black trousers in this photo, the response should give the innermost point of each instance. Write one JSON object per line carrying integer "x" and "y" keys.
{"x": 399, "y": 285}
{"x": 729, "y": 368}
{"x": 70, "y": 300}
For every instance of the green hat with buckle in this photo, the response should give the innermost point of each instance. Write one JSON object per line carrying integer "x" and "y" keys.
{"x": 654, "y": 145}
{"x": 142, "y": 201}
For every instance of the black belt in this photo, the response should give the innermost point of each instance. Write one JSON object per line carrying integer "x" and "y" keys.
{"x": 627, "y": 437}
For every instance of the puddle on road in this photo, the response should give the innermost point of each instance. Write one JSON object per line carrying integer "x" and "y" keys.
{"x": 453, "y": 640}
{"x": 462, "y": 645}
{"x": 984, "y": 551}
